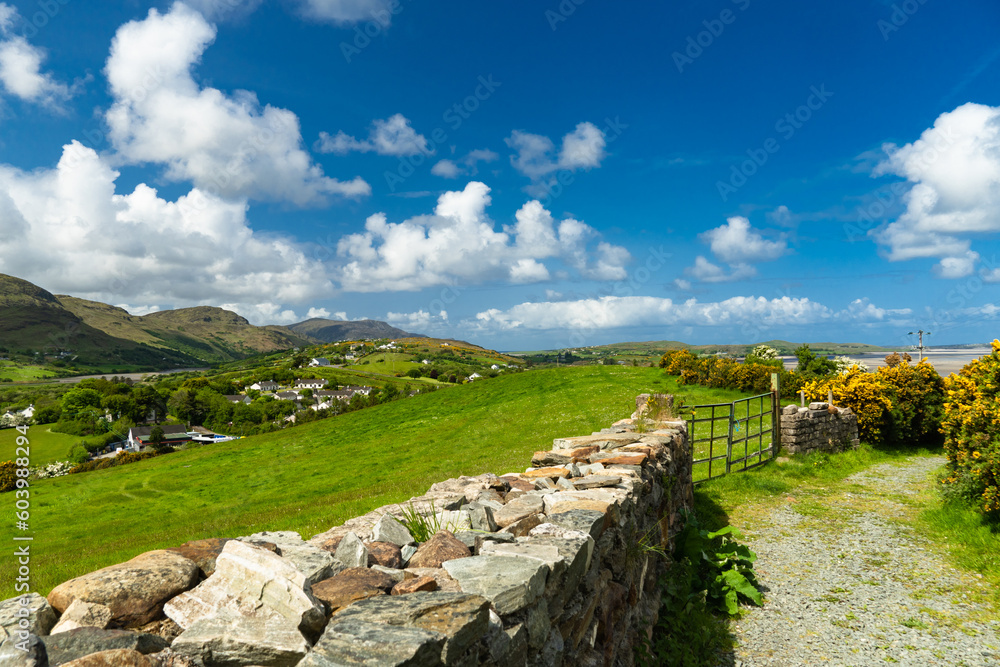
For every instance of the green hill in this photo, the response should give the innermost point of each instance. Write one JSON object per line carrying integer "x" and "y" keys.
{"x": 314, "y": 476}
{"x": 34, "y": 324}
{"x": 332, "y": 331}
{"x": 205, "y": 333}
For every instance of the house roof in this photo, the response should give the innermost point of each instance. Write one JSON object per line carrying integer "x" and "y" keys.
{"x": 287, "y": 395}
{"x": 236, "y": 398}
{"x": 170, "y": 432}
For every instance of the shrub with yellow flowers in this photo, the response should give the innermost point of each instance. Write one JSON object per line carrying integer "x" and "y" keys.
{"x": 971, "y": 430}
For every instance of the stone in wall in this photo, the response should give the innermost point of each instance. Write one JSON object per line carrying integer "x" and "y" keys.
{"x": 820, "y": 427}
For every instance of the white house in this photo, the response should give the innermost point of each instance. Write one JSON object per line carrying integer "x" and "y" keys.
{"x": 314, "y": 383}
{"x": 138, "y": 436}
{"x": 425, "y": 361}
{"x": 287, "y": 395}
{"x": 238, "y": 398}
{"x": 319, "y": 361}
{"x": 474, "y": 376}
{"x": 267, "y": 385}
{"x": 495, "y": 367}
{"x": 354, "y": 389}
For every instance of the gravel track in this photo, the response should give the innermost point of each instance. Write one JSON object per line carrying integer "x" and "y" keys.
{"x": 863, "y": 589}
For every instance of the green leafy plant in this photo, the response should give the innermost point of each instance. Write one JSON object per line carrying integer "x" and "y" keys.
{"x": 722, "y": 566}
{"x": 421, "y": 526}
{"x": 710, "y": 573}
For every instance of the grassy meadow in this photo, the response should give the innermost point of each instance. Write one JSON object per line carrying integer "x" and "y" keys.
{"x": 315, "y": 476}
{"x": 46, "y": 446}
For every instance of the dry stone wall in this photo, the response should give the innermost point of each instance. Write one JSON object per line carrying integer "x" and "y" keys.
{"x": 550, "y": 566}
{"x": 821, "y": 427}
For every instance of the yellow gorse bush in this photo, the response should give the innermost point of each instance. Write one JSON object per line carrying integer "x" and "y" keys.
{"x": 971, "y": 427}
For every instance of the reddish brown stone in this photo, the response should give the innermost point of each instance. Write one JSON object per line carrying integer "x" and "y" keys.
{"x": 521, "y": 527}
{"x": 135, "y": 590}
{"x": 624, "y": 460}
{"x": 351, "y": 585}
{"x": 119, "y": 657}
{"x": 551, "y": 473}
{"x": 385, "y": 554}
{"x": 440, "y": 548}
{"x": 414, "y": 585}
{"x": 445, "y": 582}
{"x": 582, "y": 453}
{"x": 331, "y": 544}
{"x": 202, "y": 552}
{"x": 517, "y": 483}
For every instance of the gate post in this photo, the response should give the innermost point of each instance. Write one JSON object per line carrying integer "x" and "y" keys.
{"x": 775, "y": 415}
{"x": 729, "y": 438}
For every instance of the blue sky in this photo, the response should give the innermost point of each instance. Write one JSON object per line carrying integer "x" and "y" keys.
{"x": 522, "y": 174}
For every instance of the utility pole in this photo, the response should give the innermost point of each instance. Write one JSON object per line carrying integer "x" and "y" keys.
{"x": 920, "y": 345}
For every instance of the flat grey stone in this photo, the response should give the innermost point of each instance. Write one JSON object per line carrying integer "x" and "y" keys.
{"x": 518, "y": 508}
{"x": 585, "y": 521}
{"x": 596, "y": 481}
{"x": 390, "y": 529}
{"x": 482, "y": 518}
{"x": 460, "y": 617}
{"x": 407, "y": 553}
{"x": 356, "y": 642}
{"x": 40, "y": 614}
{"x": 229, "y": 638}
{"x": 564, "y": 484}
{"x": 76, "y": 643}
{"x": 352, "y": 552}
{"x": 509, "y": 582}
{"x": 315, "y": 563}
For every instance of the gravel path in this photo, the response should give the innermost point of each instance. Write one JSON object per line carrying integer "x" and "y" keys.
{"x": 862, "y": 589}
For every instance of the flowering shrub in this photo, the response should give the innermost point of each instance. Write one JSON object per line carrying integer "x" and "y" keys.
{"x": 721, "y": 372}
{"x": 972, "y": 431}
{"x": 8, "y": 477}
{"x": 120, "y": 460}
{"x": 896, "y": 405}
{"x": 845, "y": 363}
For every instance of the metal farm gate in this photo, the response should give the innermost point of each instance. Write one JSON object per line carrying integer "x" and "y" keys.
{"x": 737, "y": 436}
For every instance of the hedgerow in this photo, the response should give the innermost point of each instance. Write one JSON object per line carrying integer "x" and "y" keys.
{"x": 896, "y": 405}
{"x": 971, "y": 429}
{"x": 122, "y": 459}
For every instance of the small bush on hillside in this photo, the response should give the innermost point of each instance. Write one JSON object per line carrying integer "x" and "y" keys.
{"x": 8, "y": 476}
{"x": 123, "y": 458}
{"x": 972, "y": 432}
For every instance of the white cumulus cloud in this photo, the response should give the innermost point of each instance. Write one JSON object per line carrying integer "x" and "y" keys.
{"x": 460, "y": 243}
{"x": 224, "y": 144}
{"x": 465, "y": 166}
{"x": 21, "y": 67}
{"x": 70, "y": 231}
{"x": 536, "y": 156}
{"x": 740, "y": 246}
{"x": 391, "y": 136}
{"x": 611, "y": 312}
{"x": 954, "y": 172}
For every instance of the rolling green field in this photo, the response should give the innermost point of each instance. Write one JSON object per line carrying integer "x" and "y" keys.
{"x": 46, "y": 446}
{"x": 16, "y": 372}
{"x": 315, "y": 476}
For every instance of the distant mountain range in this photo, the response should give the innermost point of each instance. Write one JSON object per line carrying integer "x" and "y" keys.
{"x": 331, "y": 331}
{"x": 37, "y": 323}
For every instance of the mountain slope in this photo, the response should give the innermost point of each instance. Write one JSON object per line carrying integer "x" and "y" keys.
{"x": 331, "y": 331}
{"x": 34, "y": 323}
{"x": 207, "y": 333}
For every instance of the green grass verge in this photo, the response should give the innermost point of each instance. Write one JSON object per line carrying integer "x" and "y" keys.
{"x": 45, "y": 446}
{"x": 315, "y": 476}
